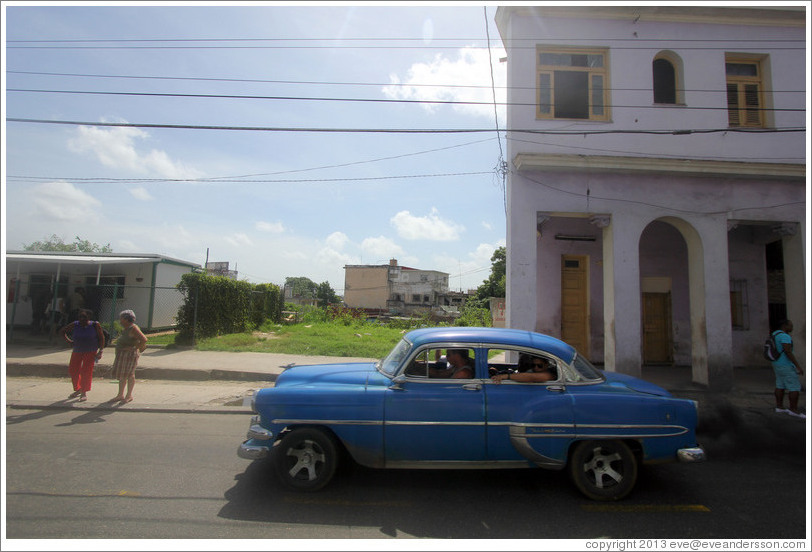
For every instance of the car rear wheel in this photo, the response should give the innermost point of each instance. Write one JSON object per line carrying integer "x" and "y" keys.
{"x": 603, "y": 470}
{"x": 306, "y": 459}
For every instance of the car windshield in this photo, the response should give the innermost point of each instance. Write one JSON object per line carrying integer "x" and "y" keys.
{"x": 585, "y": 369}
{"x": 394, "y": 359}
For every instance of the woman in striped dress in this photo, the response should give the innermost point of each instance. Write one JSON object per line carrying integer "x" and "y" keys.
{"x": 129, "y": 346}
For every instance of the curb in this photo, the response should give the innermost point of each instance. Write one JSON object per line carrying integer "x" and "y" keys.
{"x": 156, "y": 409}
{"x": 176, "y": 374}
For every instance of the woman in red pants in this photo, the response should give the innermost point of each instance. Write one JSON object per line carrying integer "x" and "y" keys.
{"x": 88, "y": 342}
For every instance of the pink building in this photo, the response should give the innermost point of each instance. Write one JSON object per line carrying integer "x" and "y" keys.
{"x": 657, "y": 184}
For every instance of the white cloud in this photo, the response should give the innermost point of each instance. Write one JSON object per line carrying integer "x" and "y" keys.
{"x": 470, "y": 72}
{"x": 337, "y": 240}
{"x": 115, "y": 147}
{"x": 64, "y": 202}
{"x": 239, "y": 239}
{"x": 429, "y": 227}
{"x": 381, "y": 248}
{"x": 141, "y": 193}
{"x": 487, "y": 225}
{"x": 272, "y": 227}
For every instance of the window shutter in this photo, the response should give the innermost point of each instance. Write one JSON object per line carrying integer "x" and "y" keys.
{"x": 733, "y": 104}
{"x": 751, "y": 101}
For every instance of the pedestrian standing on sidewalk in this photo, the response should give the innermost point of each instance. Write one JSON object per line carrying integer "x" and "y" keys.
{"x": 788, "y": 371}
{"x": 129, "y": 346}
{"x": 88, "y": 343}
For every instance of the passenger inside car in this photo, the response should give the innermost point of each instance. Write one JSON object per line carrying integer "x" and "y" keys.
{"x": 531, "y": 369}
{"x": 460, "y": 365}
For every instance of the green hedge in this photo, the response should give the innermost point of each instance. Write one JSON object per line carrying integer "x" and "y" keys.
{"x": 215, "y": 305}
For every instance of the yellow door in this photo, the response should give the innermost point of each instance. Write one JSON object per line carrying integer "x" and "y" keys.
{"x": 657, "y": 328}
{"x": 575, "y": 302}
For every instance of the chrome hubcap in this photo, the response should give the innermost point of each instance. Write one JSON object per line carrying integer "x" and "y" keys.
{"x": 307, "y": 461}
{"x": 600, "y": 467}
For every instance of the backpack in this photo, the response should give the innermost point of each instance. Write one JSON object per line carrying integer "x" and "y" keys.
{"x": 106, "y": 335}
{"x": 771, "y": 351}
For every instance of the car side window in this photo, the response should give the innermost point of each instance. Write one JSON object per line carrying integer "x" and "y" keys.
{"x": 537, "y": 367}
{"x": 441, "y": 363}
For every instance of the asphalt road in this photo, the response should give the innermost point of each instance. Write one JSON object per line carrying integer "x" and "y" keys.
{"x": 129, "y": 475}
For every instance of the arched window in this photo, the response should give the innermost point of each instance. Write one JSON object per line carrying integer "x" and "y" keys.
{"x": 665, "y": 81}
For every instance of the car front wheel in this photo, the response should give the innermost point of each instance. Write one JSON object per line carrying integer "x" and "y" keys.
{"x": 306, "y": 459}
{"x": 603, "y": 470}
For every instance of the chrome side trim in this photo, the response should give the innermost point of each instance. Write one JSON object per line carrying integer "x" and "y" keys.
{"x": 291, "y": 421}
{"x": 547, "y": 429}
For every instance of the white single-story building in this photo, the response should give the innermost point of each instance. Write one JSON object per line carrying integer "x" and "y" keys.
{"x": 39, "y": 283}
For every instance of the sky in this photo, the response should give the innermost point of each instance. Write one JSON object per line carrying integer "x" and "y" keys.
{"x": 301, "y": 196}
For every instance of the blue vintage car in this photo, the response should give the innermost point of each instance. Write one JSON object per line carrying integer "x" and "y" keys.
{"x": 471, "y": 398}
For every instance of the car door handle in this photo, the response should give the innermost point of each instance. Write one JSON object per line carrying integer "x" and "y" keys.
{"x": 472, "y": 386}
{"x": 556, "y": 388}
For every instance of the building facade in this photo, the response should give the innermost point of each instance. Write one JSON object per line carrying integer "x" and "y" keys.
{"x": 396, "y": 289}
{"x": 108, "y": 283}
{"x": 657, "y": 181}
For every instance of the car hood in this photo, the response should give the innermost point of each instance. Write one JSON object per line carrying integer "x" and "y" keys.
{"x": 615, "y": 379}
{"x": 355, "y": 373}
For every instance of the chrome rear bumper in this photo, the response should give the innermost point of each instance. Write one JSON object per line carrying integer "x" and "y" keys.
{"x": 692, "y": 454}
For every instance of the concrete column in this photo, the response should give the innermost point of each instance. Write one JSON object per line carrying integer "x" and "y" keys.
{"x": 521, "y": 303}
{"x": 718, "y": 325}
{"x": 621, "y": 288}
{"x": 794, "y": 283}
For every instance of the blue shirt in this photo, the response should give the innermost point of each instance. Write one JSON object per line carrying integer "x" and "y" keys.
{"x": 782, "y": 338}
{"x": 85, "y": 338}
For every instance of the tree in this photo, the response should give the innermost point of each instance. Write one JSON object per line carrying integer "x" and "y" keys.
{"x": 55, "y": 243}
{"x": 326, "y": 295}
{"x": 495, "y": 285}
{"x": 302, "y": 286}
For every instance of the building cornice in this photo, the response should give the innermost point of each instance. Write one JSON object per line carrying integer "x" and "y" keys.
{"x": 780, "y": 16}
{"x": 525, "y": 162}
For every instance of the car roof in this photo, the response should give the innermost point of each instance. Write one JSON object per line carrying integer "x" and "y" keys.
{"x": 492, "y": 336}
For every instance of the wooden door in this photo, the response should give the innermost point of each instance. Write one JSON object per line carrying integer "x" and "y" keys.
{"x": 575, "y": 302}
{"x": 657, "y": 340}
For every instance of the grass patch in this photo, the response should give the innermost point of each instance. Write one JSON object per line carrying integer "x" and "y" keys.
{"x": 318, "y": 339}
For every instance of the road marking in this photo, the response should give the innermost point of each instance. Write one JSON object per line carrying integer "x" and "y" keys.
{"x": 637, "y": 508}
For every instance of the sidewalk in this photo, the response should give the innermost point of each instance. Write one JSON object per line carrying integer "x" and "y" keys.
{"x": 197, "y": 381}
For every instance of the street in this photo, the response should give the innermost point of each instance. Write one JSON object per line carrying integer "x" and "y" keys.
{"x": 129, "y": 475}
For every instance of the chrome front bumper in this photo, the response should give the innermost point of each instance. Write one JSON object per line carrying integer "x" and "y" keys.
{"x": 256, "y": 432}
{"x": 253, "y": 452}
{"x": 692, "y": 454}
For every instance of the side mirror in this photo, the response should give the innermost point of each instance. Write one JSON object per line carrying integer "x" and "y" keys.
{"x": 397, "y": 382}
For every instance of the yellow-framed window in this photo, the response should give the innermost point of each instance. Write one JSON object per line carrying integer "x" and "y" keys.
{"x": 745, "y": 92}
{"x": 572, "y": 83}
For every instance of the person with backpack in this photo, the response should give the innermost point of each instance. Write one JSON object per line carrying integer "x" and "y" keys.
{"x": 87, "y": 339}
{"x": 788, "y": 371}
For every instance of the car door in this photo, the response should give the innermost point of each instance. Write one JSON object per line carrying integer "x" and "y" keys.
{"x": 528, "y": 421}
{"x": 434, "y": 420}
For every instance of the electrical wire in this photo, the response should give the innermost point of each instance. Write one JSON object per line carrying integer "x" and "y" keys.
{"x": 742, "y": 130}
{"x": 350, "y": 83}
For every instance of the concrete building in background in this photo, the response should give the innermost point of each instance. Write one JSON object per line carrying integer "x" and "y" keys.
{"x": 657, "y": 171}
{"x": 397, "y": 290}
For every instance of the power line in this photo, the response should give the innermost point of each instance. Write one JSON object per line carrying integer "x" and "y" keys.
{"x": 391, "y": 38}
{"x": 221, "y": 180}
{"x": 741, "y": 130}
{"x": 350, "y": 83}
{"x": 369, "y": 100}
